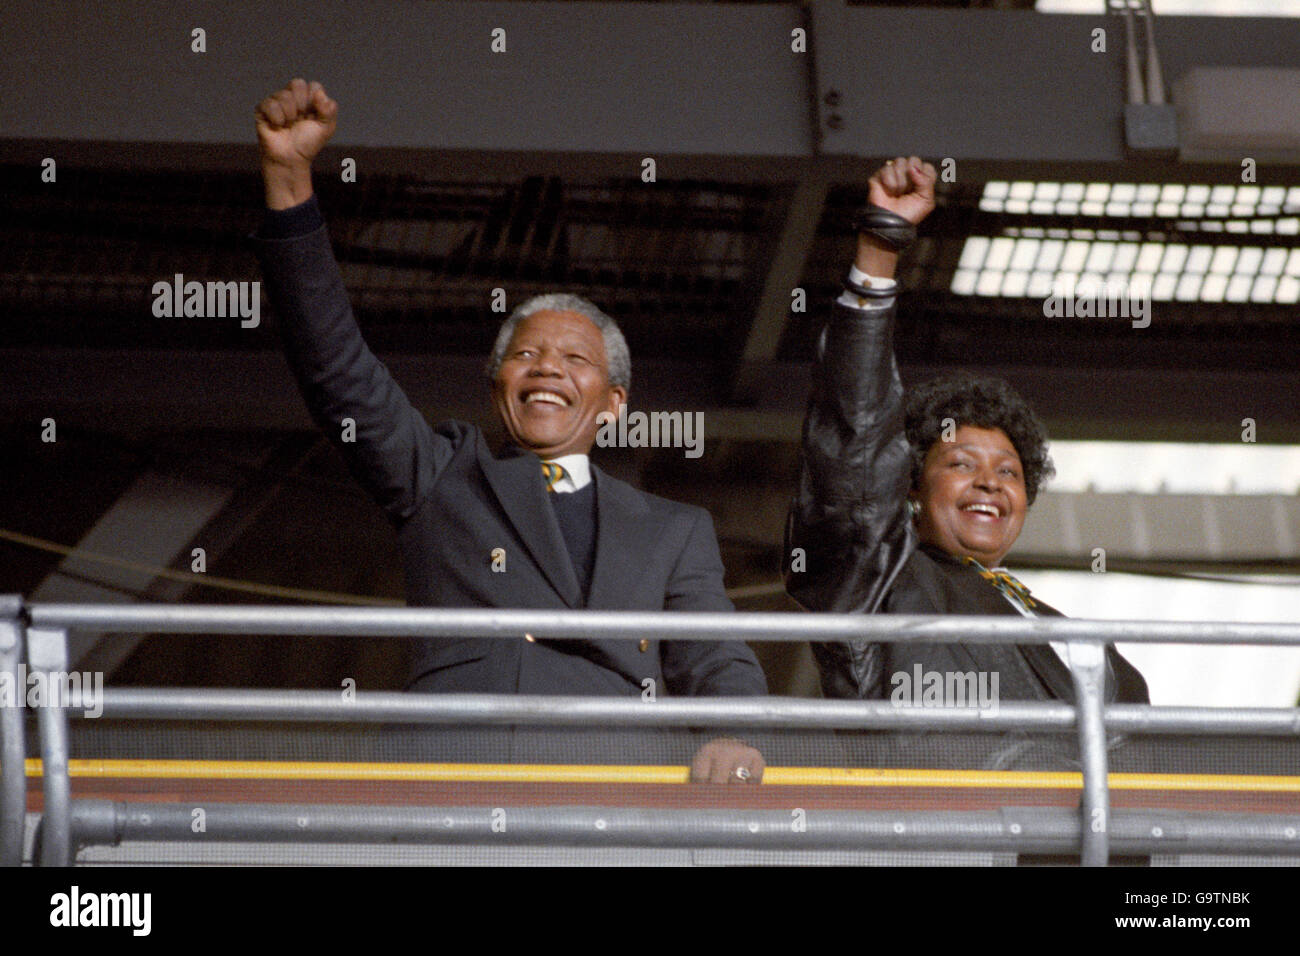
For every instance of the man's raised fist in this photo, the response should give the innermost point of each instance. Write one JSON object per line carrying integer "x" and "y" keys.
{"x": 294, "y": 123}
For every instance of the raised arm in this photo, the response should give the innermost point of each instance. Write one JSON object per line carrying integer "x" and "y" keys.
{"x": 848, "y": 531}
{"x": 388, "y": 445}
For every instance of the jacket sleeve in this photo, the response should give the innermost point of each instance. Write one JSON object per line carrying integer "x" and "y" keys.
{"x": 393, "y": 453}
{"x": 848, "y": 533}
{"x": 706, "y": 668}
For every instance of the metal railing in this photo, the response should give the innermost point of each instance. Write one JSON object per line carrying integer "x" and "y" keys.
{"x": 35, "y": 636}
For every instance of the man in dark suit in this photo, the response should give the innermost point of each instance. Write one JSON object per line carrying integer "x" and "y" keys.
{"x": 536, "y": 526}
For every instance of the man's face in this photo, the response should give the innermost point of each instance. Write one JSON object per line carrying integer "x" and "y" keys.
{"x": 972, "y": 495}
{"x": 553, "y": 383}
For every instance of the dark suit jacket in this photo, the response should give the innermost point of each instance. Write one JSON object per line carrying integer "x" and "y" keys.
{"x": 454, "y": 503}
{"x": 861, "y": 549}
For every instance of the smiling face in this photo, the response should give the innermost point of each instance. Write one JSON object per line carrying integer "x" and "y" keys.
{"x": 972, "y": 495}
{"x": 553, "y": 383}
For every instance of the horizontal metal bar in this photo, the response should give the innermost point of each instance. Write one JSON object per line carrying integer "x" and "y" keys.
{"x": 767, "y": 712}
{"x": 394, "y": 707}
{"x": 1143, "y": 719}
{"x": 105, "y": 822}
{"x": 1021, "y": 829}
{"x": 638, "y": 625}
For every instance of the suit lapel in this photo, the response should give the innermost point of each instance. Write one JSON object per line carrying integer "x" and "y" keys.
{"x": 624, "y": 532}
{"x": 1049, "y": 668}
{"x": 1041, "y": 659}
{"x": 1053, "y": 671}
{"x": 516, "y": 480}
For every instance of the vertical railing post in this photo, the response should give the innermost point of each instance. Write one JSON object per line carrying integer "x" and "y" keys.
{"x": 47, "y": 652}
{"x": 1088, "y": 670}
{"x": 13, "y": 746}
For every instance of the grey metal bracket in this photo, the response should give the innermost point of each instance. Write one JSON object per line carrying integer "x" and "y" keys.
{"x": 13, "y": 745}
{"x": 1088, "y": 669}
{"x": 47, "y": 653}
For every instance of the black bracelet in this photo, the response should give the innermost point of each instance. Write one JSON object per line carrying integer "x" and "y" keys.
{"x": 862, "y": 292}
{"x": 890, "y": 228}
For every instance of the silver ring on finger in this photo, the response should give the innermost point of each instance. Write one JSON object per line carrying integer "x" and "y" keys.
{"x": 741, "y": 773}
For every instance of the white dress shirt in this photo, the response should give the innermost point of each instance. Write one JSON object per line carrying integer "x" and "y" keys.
{"x": 577, "y": 473}
{"x": 858, "y": 277}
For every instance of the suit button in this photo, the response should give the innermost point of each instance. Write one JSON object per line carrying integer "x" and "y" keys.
{"x": 644, "y": 645}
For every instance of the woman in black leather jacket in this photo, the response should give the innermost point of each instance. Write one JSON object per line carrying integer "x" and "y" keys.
{"x": 911, "y": 511}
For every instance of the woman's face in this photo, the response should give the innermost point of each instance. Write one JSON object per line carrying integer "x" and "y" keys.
{"x": 972, "y": 495}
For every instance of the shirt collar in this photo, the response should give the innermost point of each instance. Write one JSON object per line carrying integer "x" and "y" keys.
{"x": 577, "y": 472}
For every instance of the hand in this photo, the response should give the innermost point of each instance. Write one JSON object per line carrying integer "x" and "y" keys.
{"x": 717, "y": 761}
{"x": 293, "y": 124}
{"x": 905, "y": 187}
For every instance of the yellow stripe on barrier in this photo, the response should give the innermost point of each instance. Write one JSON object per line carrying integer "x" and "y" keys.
{"x": 580, "y": 773}
{"x": 1023, "y": 780}
{"x": 420, "y": 772}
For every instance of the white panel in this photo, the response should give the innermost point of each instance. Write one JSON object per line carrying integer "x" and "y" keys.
{"x": 1225, "y": 258}
{"x": 1184, "y": 674}
{"x": 973, "y": 252}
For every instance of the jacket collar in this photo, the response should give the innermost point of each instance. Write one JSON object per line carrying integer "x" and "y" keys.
{"x": 624, "y": 526}
{"x": 516, "y": 479}
{"x": 1042, "y": 660}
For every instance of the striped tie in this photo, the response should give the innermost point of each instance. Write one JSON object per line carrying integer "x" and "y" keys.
{"x": 1006, "y": 583}
{"x": 552, "y": 473}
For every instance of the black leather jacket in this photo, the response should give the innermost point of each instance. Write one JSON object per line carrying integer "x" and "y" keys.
{"x": 858, "y": 549}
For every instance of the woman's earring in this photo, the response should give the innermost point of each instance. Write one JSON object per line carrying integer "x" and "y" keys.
{"x": 913, "y": 507}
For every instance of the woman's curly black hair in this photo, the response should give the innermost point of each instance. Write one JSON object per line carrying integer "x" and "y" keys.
{"x": 983, "y": 403}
